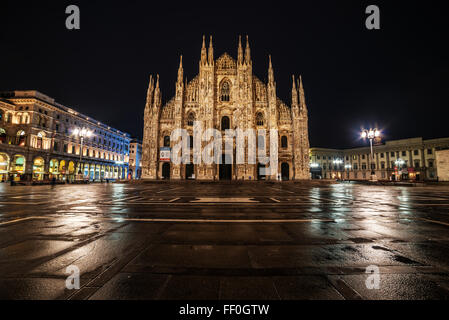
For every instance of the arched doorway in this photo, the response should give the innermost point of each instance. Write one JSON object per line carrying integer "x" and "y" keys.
{"x": 53, "y": 168}
{"x": 4, "y": 167}
{"x": 225, "y": 167}
{"x": 92, "y": 172}
{"x": 86, "y": 170}
{"x": 38, "y": 169}
{"x": 62, "y": 169}
{"x": 166, "y": 170}
{"x": 71, "y": 171}
{"x": 225, "y": 123}
{"x": 97, "y": 172}
{"x": 261, "y": 171}
{"x": 285, "y": 171}
{"x": 18, "y": 166}
{"x": 190, "y": 171}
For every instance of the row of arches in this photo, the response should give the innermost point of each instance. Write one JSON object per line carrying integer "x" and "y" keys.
{"x": 60, "y": 169}
{"x": 225, "y": 171}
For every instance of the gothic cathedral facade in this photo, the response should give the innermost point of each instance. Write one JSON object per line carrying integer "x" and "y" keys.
{"x": 225, "y": 95}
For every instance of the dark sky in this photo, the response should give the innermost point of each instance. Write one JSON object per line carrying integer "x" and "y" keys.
{"x": 396, "y": 78}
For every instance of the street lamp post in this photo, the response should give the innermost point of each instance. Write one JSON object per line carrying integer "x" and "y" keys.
{"x": 371, "y": 134}
{"x": 81, "y": 133}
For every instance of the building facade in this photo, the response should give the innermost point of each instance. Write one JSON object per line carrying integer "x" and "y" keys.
{"x": 135, "y": 159}
{"x": 442, "y": 164}
{"x": 37, "y": 141}
{"x": 405, "y": 159}
{"x": 226, "y": 95}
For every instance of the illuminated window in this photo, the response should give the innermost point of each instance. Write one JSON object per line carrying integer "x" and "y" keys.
{"x": 20, "y": 138}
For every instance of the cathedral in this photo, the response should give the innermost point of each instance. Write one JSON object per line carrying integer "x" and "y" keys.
{"x": 225, "y": 95}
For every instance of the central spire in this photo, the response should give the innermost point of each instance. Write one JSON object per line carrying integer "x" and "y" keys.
{"x": 211, "y": 52}
{"x": 240, "y": 52}
{"x": 247, "y": 52}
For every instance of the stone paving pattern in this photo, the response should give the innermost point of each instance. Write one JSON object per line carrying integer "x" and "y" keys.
{"x": 224, "y": 241}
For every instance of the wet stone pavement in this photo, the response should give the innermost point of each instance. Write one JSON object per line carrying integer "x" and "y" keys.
{"x": 224, "y": 241}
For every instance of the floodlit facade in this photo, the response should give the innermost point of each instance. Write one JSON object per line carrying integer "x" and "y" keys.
{"x": 37, "y": 141}
{"x": 226, "y": 95}
{"x": 405, "y": 159}
{"x": 135, "y": 159}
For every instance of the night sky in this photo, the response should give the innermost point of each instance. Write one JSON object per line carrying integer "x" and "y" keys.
{"x": 396, "y": 78}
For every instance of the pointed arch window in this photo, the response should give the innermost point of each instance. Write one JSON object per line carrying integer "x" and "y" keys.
{"x": 259, "y": 119}
{"x": 190, "y": 119}
{"x": 225, "y": 91}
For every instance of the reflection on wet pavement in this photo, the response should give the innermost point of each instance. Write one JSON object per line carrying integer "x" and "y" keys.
{"x": 224, "y": 241}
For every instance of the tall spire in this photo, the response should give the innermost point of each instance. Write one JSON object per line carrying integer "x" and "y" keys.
{"x": 180, "y": 71}
{"x": 211, "y": 52}
{"x": 240, "y": 52}
{"x": 150, "y": 93}
{"x": 247, "y": 52}
{"x": 204, "y": 52}
{"x": 302, "y": 98}
{"x": 157, "y": 93}
{"x": 294, "y": 93}
{"x": 270, "y": 71}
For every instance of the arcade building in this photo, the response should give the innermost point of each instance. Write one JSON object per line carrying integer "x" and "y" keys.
{"x": 37, "y": 142}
